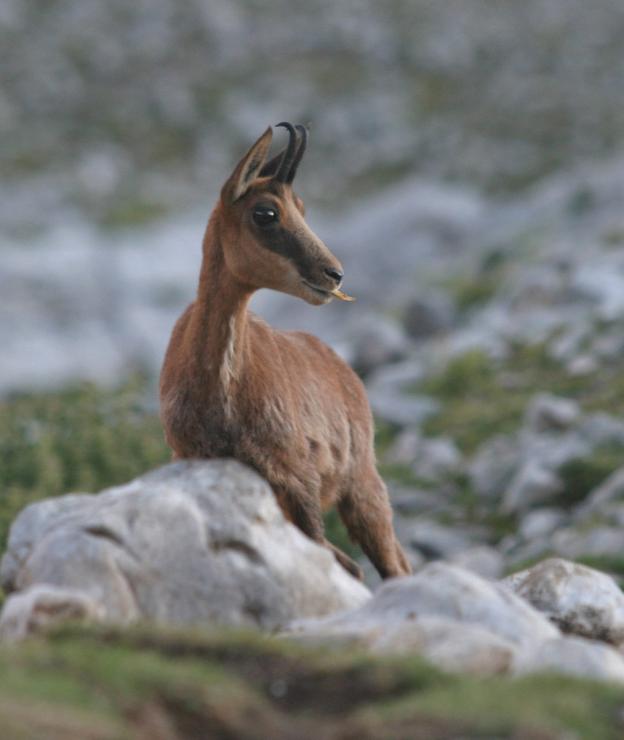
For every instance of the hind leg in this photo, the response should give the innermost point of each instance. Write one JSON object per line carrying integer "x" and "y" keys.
{"x": 367, "y": 515}
{"x": 304, "y": 511}
{"x": 347, "y": 563}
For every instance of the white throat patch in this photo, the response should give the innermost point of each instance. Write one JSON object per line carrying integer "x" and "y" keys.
{"x": 227, "y": 369}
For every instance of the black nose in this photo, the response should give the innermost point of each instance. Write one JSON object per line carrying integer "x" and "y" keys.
{"x": 334, "y": 274}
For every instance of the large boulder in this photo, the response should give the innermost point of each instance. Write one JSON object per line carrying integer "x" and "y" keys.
{"x": 194, "y": 542}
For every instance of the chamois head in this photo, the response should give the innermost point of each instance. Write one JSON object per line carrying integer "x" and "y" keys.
{"x": 266, "y": 241}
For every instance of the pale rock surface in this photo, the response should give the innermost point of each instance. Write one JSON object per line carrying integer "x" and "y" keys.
{"x": 435, "y": 540}
{"x": 541, "y": 522}
{"x": 580, "y": 600}
{"x": 493, "y": 466}
{"x": 483, "y": 560}
{"x": 41, "y": 607}
{"x": 598, "y": 541}
{"x": 431, "y": 458}
{"x": 376, "y": 341}
{"x": 391, "y": 396}
{"x": 440, "y": 591}
{"x": 574, "y": 656}
{"x": 448, "y": 644}
{"x": 428, "y": 315}
{"x": 608, "y": 492}
{"x": 547, "y": 412}
{"x": 532, "y": 484}
{"x": 190, "y": 543}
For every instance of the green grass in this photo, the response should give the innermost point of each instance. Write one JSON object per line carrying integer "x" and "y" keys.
{"x": 124, "y": 683}
{"x": 482, "y": 397}
{"x": 476, "y": 401}
{"x": 78, "y": 439}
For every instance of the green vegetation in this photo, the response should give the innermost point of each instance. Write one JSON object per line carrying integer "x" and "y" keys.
{"x": 476, "y": 288}
{"x": 108, "y": 683}
{"x": 78, "y": 439}
{"x": 482, "y": 397}
{"x": 477, "y": 402}
{"x": 581, "y": 475}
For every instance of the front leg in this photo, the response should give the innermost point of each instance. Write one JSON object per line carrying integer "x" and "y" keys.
{"x": 304, "y": 511}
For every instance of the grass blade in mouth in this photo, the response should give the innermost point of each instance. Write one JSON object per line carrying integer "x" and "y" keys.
{"x": 343, "y": 296}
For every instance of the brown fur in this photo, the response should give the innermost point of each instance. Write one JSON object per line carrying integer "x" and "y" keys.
{"x": 282, "y": 402}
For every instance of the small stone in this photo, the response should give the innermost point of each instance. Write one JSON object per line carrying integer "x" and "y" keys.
{"x": 431, "y": 458}
{"x": 405, "y": 448}
{"x": 402, "y": 409}
{"x": 376, "y": 341}
{"x": 532, "y": 484}
{"x": 541, "y": 522}
{"x": 578, "y": 542}
{"x": 546, "y": 413}
{"x": 582, "y": 365}
{"x": 392, "y": 398}
{"x": 436, "y": 541}
{"x": 426, "y": 317}
{"x": 602, "y": 429}
{"x": 437, "y": 458}
{"x": 41, "y": 607}
{"x": 493, "y": 466}
{"x": 608, "y": 492}
{"x": 483, "y": 560}
{"x": 414, "y": 501}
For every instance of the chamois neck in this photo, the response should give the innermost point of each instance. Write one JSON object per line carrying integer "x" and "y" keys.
{"x": 219, "y": 324}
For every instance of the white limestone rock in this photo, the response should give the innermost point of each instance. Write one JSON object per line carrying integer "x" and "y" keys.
{"x": 440, "y": 591}
{"x": 573, "y": 656}
{"x": 41, "y": 607}
{"x": 579, "y": 600}
{"x": 195, "y": 542}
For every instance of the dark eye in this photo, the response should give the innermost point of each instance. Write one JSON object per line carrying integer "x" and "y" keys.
{"x": 265, "y": 215}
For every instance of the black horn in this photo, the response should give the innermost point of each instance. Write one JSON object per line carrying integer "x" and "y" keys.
{"x": 303, "y": 142}
{"x": 283, "y": 173}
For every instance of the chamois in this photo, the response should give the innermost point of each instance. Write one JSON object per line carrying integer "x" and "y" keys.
{"x": 282, "y": 402}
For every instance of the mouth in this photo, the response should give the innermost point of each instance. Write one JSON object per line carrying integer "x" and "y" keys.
{"x": 320, "y": 292}
{"x": 328, "y": 294}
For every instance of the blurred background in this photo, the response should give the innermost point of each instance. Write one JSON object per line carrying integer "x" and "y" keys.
{"x": 466, "y": 164}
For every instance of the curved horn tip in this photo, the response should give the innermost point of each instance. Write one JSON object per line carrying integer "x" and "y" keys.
{"x": 303, "y": 141}
{"x": 285, "y": 165}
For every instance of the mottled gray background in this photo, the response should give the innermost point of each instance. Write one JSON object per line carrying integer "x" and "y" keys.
{"x": 438, "y": 131}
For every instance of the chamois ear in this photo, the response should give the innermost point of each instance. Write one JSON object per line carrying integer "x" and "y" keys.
{"x": 247, "y": 169}
{"x": 270, "y": 168}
